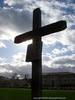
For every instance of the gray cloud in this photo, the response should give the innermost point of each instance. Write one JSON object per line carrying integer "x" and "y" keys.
{"x": 57, "y": 62}
{"x": 46, "y": 69}
{"x": 65, "y": 61}
{"x": 8, "y": 70}
{"x": 27, "y": 69}
{"x": 18, "y": 20}
{"x": 13, "y": 22}
{"x": 14, "y": 19}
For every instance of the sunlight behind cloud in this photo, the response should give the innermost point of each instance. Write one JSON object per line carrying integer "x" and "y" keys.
{"x": 24, "y": 44}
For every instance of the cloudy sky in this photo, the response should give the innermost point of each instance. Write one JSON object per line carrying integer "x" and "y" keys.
{"x": 58, "y": 52}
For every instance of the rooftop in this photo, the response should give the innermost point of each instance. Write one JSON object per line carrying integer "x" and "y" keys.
{"x": 59, "y": 73}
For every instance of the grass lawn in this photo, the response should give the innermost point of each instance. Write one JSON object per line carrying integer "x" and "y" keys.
{"x": 59, "y": 94}
{"x": 15, "y": 94}
{"x": 25, "y": 94}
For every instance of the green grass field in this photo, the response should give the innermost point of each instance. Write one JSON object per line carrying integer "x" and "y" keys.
{"x": 25, "y": 94}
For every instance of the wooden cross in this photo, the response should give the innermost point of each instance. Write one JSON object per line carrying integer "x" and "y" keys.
{"x": 34, "y": 52}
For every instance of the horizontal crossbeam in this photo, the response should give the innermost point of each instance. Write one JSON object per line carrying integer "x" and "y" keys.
{"x": 45, "y": 30}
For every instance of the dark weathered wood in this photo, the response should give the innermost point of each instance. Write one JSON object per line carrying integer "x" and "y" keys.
{"x": 37, "y": 63}
{"x": 41, "y": 31}
{"x": 36, "y": 79}
{"x": 34, "y": 51}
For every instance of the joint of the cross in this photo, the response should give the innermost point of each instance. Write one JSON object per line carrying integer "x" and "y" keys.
{"x": 42, "y": 31}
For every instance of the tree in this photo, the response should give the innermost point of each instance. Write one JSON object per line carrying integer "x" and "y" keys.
{"x": 26, "y": 76}
{"x": 14, "y": 75}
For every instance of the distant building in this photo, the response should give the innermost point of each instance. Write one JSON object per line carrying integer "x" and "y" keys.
{"x": 58, "y": 80}
{"x": 55, "y": 80}
{"x": 7, "y": 82}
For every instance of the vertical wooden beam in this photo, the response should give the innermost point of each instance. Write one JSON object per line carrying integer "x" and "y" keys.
{"x": 37, "y": 64}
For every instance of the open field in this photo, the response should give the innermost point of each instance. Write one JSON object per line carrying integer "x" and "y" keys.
{"x": 25, "y": 94}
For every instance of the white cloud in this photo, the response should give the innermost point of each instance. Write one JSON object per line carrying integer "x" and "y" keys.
{"x": 19, "y": 59}
{"x": 65, "y": 37}
{"x": 2, "y": 60}
{"x": 17, "y": 65}
{"x": 13, "y": 2}
{"x": 46, "y": 60}
{"x": 72, "y": 48}
{"x": 19, "y": 20}
{"x": 4, "y": 70}
{"x": 67, "y": 61}
{"x": 2, "y": 45}
{"x": 60, "y": 51}
{"x": 57, "y": 62}
{"x": 49, "y": 64}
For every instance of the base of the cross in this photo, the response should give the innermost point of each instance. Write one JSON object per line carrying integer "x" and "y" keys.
{"x": 36, "y": 79}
